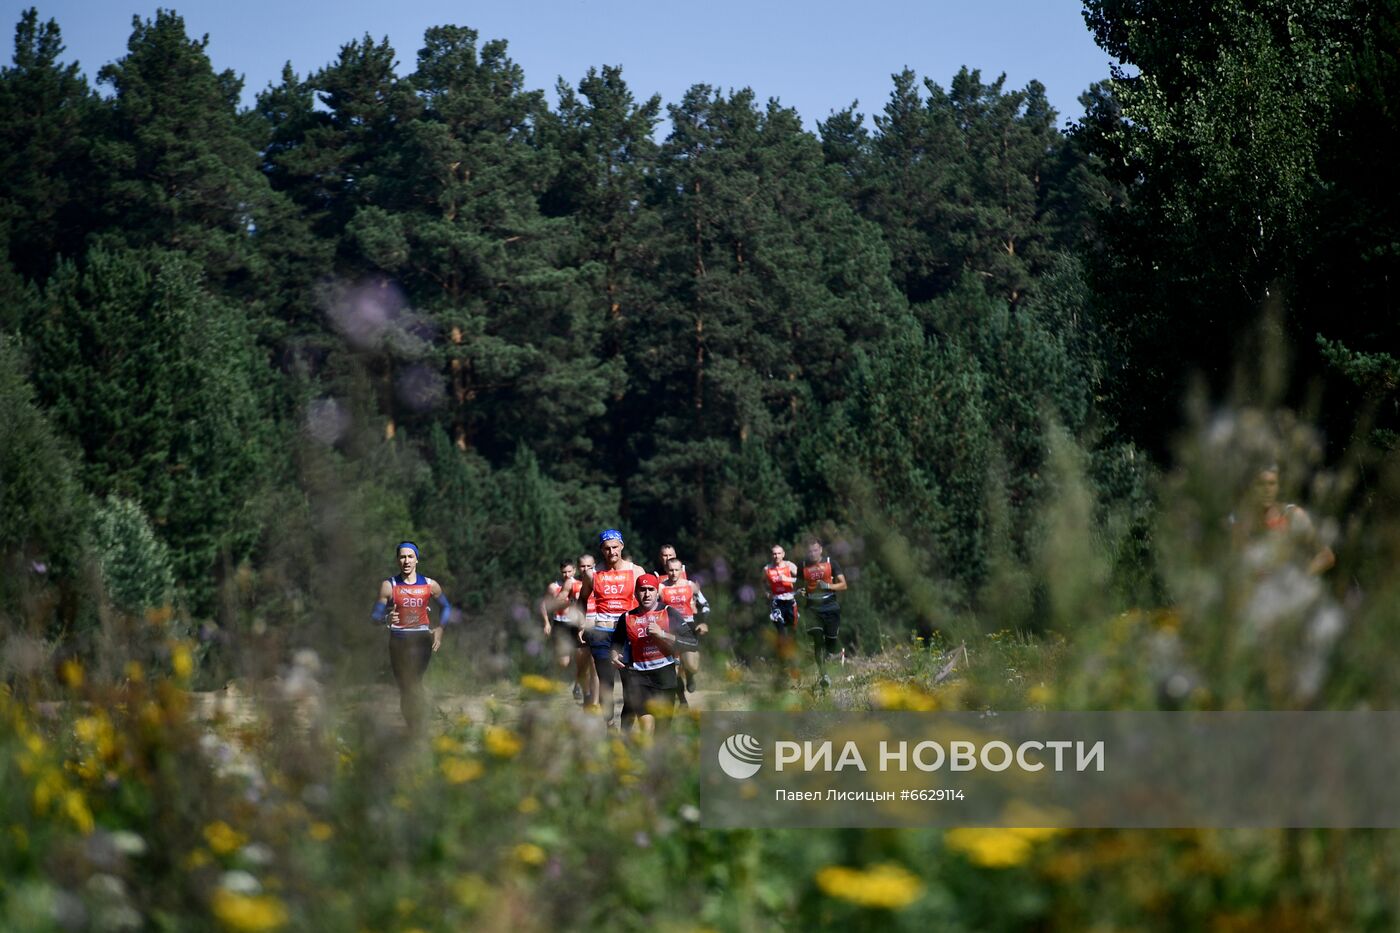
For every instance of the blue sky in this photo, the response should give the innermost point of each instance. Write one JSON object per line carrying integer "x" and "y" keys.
{"x": 816, "y": 56}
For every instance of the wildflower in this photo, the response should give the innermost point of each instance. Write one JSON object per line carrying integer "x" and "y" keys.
{"x": 240, "y": 882}
{"x": 461, "y": 770}
{"x": 70, "y": 673}
{"x": 528, "y": 805}
{"x": 134, "y": 672}
{"x": 501, "y": 742}
{"x": 886, "y": 886}
{"x": 181, "y": 661}
{"x": 320, "y": 831}
{"x": 196, "y": 859}
{"x": 446, "y": 745}
{"x": 537, "y": 684}
{"x": 889, "y": 695}
{"x": 1040, "y": 695}
{"x": 76, "y": 809}
{"x": 248, "y": 913}
{"x": 223, "y": 838}
{"x": 471, "y": 890}
{"x": 996, "y": 848}
{"x": 527, "y": 853}
{"x": 128, "y": 843}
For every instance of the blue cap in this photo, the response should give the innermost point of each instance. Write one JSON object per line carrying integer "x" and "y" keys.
{"x": 611, "y": 534}
{"x": 406, "y": 544}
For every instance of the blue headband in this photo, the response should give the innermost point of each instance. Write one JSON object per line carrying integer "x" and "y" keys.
{"x": 406, "y": 544}
{"x": 612, "y": 534}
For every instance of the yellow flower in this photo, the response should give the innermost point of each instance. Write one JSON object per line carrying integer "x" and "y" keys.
{"x": 502, "y": 742}
{"x": 446, "y": 745}
{"x": 70, "y": 673}
{"x": 889, "y": 695}
{"x": 248, "y": 913}
{"x": 528, "y": 805}
{"x": 223, "y": 838}
{"x": 76, "y": 809}
{"x": 527, "y": 853}
{"x": 320, "y": 831}
{"x": 461, "y": 770}
{"x": 537, "y": 684}
{"x": 1040, "y": 695}
{"x": 996, "y": 848}
{"x": 471, "y": 890}
{"x": 181, "y": 661}
{"x": 887, "y": 886}
{"x": 135, "y": 672}
{"x": 47, "y": 789}
{"x": 196, "y": 859}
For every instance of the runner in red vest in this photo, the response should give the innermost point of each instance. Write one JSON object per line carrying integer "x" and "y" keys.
{"x": 611, "y": 591}
{"x": 562, "y": 625}
{"x": 822, "y": 579}
{"x": 405, "y": 605}
{"x": 655, "y": 635}
{"x": 685, "y": 596}
{"x": 1288, "y": 528}
{"x": 781, "y": 576}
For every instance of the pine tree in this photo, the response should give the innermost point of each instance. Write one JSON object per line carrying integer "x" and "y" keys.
{"x": 177, "y": 168}
{"x": 45, "y": 109}
{"x": 161, "y": 384}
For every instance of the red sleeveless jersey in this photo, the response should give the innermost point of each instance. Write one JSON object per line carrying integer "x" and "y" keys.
{"x": 815, "y": 573}
{"x": 615, "y": 590}
{"x": 781, "y": 578}
{"x": 411, "y": 600}
{"x": 556, "y": 589}
{"x": 680, "y": 595}
{"x": 648, "y": 653}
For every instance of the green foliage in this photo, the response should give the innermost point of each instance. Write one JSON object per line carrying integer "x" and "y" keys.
{"x": 41, "y": 501}
{"x": 169, "y": 408}
{"x": 135, "y": 565}
{"x": 45, "y": 109}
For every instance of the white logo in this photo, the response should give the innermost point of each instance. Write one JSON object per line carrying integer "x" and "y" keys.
{"x": 741, "y": 756}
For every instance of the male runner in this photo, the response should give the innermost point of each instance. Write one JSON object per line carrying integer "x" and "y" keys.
{"x": 822, "y": 579}
{"x": 655, "y": 634}
{"x": 561, "y": 626}
{"x": 663, "y": 566}
{"x": 612, "y": 591}
{"x": 781, "y": 575}
{"x": 404, "y": 606}
{"x": 1287, "y": 527}
{"x": 686, "y": 597}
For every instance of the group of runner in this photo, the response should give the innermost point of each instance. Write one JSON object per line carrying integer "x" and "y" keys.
{"x": 616, "y": 621}
{"x": 619, "y": 619}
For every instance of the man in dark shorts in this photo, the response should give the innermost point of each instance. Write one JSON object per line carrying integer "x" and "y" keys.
{"x": 781, "y": 576}
{"x": 656, "y": 635}
{"x": 609, "y": 592}
{"x": 822, "y": 579}
{"x": 563, "y": 628}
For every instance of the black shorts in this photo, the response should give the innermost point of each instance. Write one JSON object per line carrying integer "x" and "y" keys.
{"x": 823, "y": 621}
{"x": 565, "y": 636}
{"x": 659, "y": 685}
{"x": 783, "y": 613}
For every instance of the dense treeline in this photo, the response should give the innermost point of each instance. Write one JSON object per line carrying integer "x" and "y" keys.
{"x": 247, "y": 349}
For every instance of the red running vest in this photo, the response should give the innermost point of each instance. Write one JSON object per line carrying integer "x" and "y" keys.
{"x": 411, "y": 600}
{"x": 648, "y": 653}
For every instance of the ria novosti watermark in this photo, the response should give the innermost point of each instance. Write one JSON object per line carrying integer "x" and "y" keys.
{"x": 1126, "y": 769}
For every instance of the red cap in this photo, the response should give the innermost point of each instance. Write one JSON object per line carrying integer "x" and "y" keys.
{"x": 647, "y": 579}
